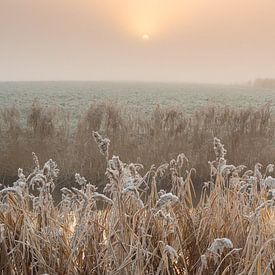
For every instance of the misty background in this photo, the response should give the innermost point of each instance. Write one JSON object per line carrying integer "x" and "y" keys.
{"x": 197, "y": 41}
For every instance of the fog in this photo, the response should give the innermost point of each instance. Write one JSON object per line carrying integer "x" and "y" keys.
{"x": 189, "y": 40}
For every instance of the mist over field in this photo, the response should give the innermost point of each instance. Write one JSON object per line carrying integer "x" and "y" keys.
{"x": 140, "y": 96}
{"x": 198, "y": 41}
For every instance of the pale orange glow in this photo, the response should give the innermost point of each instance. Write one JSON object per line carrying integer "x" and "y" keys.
{"x": 154, "y": 17}
{"x": 145, "y": 37}
{"x": 167, "y": 40}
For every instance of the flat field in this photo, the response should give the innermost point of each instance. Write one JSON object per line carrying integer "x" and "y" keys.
{"x": 76, "y": 97}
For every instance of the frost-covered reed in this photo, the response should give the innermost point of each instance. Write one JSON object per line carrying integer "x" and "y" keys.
{"x": 156, "y": 137}
{"x": 134, "y": 226}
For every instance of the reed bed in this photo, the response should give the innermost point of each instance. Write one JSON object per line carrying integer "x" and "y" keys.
{"x": 134, "y": 226}
{"x": 154, "y": 137}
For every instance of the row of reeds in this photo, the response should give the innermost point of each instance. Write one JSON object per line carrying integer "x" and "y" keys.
{"x": 134, "y": 227}
{"x": 152, "y": 138}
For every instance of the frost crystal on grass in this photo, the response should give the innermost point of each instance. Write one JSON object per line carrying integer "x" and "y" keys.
{"x": 165, "y": 199}
{"x": 215, "y": 250}
{"x": 268, "y": 203}
{"x": 219, "y": 245}
{"x": 102, "y": 143}
{"x": 2, "y": 232}
{"x": 80, "y": 180}
{"x": 270, "y": 168}
{"x": 269, "y": 182}
{"x": 219, "y": 150}
{"x": 101, "y": 197}
{"x": 50, "y": 169}
{"x": 180, "y": 159}
{"x": 115, "y": 163}
{"x": 257, "y": 171}
{"x": 271, "y": 194}
{"x": 204, "y": 264}
{"x": 171, "y": 252}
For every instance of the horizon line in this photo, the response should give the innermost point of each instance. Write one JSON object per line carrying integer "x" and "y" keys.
{"x": 139, "y": 81}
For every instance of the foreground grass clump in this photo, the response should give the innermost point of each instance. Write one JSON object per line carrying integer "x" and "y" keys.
{"x": 133, "y": 227}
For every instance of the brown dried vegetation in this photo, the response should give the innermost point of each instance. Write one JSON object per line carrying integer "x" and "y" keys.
{"x": 140, "y": 229}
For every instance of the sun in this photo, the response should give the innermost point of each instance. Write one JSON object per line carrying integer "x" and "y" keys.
{"x": 145, "y": 37}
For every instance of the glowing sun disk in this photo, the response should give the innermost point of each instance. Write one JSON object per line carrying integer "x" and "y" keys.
{"x": 145, "y": 37}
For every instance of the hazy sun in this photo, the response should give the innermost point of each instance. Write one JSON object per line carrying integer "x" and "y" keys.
{"x": 145, "y": 37}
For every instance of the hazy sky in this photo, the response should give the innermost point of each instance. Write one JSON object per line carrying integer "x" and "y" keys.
{"x": 190, "y": 40}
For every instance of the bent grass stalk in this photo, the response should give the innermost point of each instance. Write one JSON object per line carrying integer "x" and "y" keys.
{"x": 135, "y": 227}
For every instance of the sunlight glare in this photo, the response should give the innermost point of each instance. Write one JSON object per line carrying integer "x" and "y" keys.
{"x": 145, "y": 37}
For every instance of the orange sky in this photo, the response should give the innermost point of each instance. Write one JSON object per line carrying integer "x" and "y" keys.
{"x": 190, "y": 40}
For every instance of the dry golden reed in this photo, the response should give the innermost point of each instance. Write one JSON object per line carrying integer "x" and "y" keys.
{"x": 135, "y": 227}
{"x": 155, "y": 138}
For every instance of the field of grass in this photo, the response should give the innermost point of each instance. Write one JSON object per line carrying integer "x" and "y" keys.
{"x": 152, "y": 138}
{"x": 136, "y": 182}
{"x": 140, "y": 228}
{"x": 76, "y": 97}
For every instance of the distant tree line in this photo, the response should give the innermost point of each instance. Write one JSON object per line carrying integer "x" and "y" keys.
{"x": 265, "y": 83}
